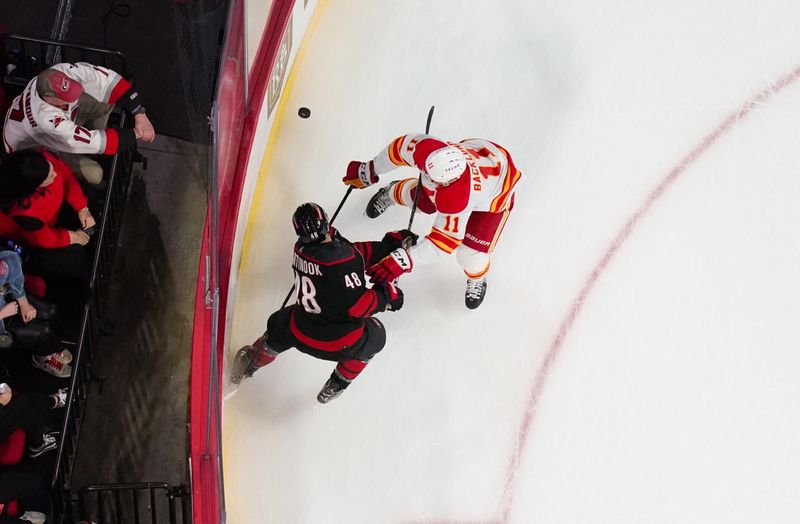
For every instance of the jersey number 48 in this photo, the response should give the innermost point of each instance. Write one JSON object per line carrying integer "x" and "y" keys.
{"x": 305, "y": 294}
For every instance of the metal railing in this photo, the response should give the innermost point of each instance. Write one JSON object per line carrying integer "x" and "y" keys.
{"x": 105, "y": 243}
{"x": 118, "y": 170}
{"x": 40, "y": 53}
{"x": 143, "y": 502}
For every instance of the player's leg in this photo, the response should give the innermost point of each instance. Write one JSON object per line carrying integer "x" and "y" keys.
{"x": 250, "y": 358}
{"x": 482, "y": 233}
{"x": 91, "y": 114}
{"x": 475, "y": 265}
{"x": 355, "y": 359}
{"x": 86, "y": 169}
{"x": 399, "y": 192}
{"x": 264, "y": 349}
{"x": 342, "y": 376}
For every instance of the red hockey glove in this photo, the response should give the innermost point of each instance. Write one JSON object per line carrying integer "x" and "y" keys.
{"x": 360, "y": 174}
{"x": 403, "y": 238}
{"x": 393, "y": 295}
{"x": 391, "y": 266}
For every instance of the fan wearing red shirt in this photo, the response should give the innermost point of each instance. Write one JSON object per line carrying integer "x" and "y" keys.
{"x": 34, "y": 185}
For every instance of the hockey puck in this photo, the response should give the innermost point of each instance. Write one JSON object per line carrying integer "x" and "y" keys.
{"x": 304, "y": 112}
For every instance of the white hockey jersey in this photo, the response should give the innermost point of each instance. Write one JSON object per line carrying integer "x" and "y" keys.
{"x": 487, "y": 184}
{"x": 31, "y": 122}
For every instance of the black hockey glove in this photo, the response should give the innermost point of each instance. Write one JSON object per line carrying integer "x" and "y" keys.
{"x": 392, "y": 294}
{"x": 403, "y": 238}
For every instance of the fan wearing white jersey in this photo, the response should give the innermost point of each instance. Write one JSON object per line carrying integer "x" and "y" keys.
{"x": 470, "y": 185}
{"x": 65, "y": 109}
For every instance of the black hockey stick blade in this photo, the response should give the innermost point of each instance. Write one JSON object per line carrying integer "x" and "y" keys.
{"x": 430, "y": 117}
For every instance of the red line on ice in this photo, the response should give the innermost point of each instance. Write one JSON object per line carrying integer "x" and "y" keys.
{"x": 577, "y": 304}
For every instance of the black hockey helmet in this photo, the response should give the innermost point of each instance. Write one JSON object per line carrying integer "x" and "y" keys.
{"x": 310, "y": 223}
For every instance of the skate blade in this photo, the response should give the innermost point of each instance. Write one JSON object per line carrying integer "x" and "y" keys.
{"x": 230, "y": 394}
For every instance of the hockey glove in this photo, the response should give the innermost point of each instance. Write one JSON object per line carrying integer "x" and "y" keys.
{"x": 403, "y": 238}
{"x": 391, "y": 266}
{"x": 360, "y": 174}
{"x": 392, "y": 294}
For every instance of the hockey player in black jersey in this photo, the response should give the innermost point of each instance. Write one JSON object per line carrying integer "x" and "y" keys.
{"x": 332, "y": 315}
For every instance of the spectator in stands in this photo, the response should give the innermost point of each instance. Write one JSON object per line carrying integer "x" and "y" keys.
{"x": 30, "y": 517}
{"x": 12, "y": 294}
{"x": 65, "y": 109}
{"x": 34, "y": 188}
{"x": 22, "y": 484}
{"x": 31, "y": 412}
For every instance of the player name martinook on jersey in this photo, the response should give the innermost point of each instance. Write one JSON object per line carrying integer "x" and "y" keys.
{"x": 304, "y": 266}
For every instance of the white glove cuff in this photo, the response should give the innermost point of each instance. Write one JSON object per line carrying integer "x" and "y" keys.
{"x": 403, "y": 259}
{"x": 365, "y": 172}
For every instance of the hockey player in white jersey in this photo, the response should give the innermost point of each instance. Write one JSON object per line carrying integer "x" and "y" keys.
{"x": 470, "y": 185}
{"x": 65, "y": 109}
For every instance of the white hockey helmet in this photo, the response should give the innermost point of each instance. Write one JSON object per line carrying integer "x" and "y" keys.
{"x": 445, "y": 165}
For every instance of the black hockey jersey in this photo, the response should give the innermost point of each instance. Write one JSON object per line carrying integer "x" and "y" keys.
{"x": 332, "y": 299}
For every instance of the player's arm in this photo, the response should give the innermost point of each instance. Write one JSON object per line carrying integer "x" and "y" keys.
{"x": 103, "y": 84}
{"x": 374, "y": 251}
{"x": 37, "y": 233}
{"x": 66, "y": 136}
{"x": 109, "y": 87}
{"x": 385, "y": 296}
{"x": 409, "y": 150}
{"x": 356, "y": 298}
{"x": 445, "y": 236}
{"x": 439, "y": 243}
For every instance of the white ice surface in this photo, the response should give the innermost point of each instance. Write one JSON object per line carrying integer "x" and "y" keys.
{"x": 674, "y": 396}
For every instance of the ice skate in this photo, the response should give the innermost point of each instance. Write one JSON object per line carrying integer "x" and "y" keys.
{"x": 243, "y": 364}
{"x": 249, "y": 358}
{"x": 380, "y": 201}
{"x": 332, "y": 389}
{"x": 476, "y": 291}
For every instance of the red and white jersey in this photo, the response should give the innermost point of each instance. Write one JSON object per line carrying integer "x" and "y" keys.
{"x": 487, "y": 184}
{"x": 31, "y": 122}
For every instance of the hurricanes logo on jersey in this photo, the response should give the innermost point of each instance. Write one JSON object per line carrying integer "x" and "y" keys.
{"x": 56, "y": 120}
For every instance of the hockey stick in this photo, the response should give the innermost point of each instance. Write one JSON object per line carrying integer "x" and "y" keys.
{"x": 419, "y": 181}
{"x": 349, "y": 190}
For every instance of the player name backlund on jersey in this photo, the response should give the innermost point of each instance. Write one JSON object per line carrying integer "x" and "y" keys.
{"x": 304, "y": 266}
{"x": 474, "y": 172}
